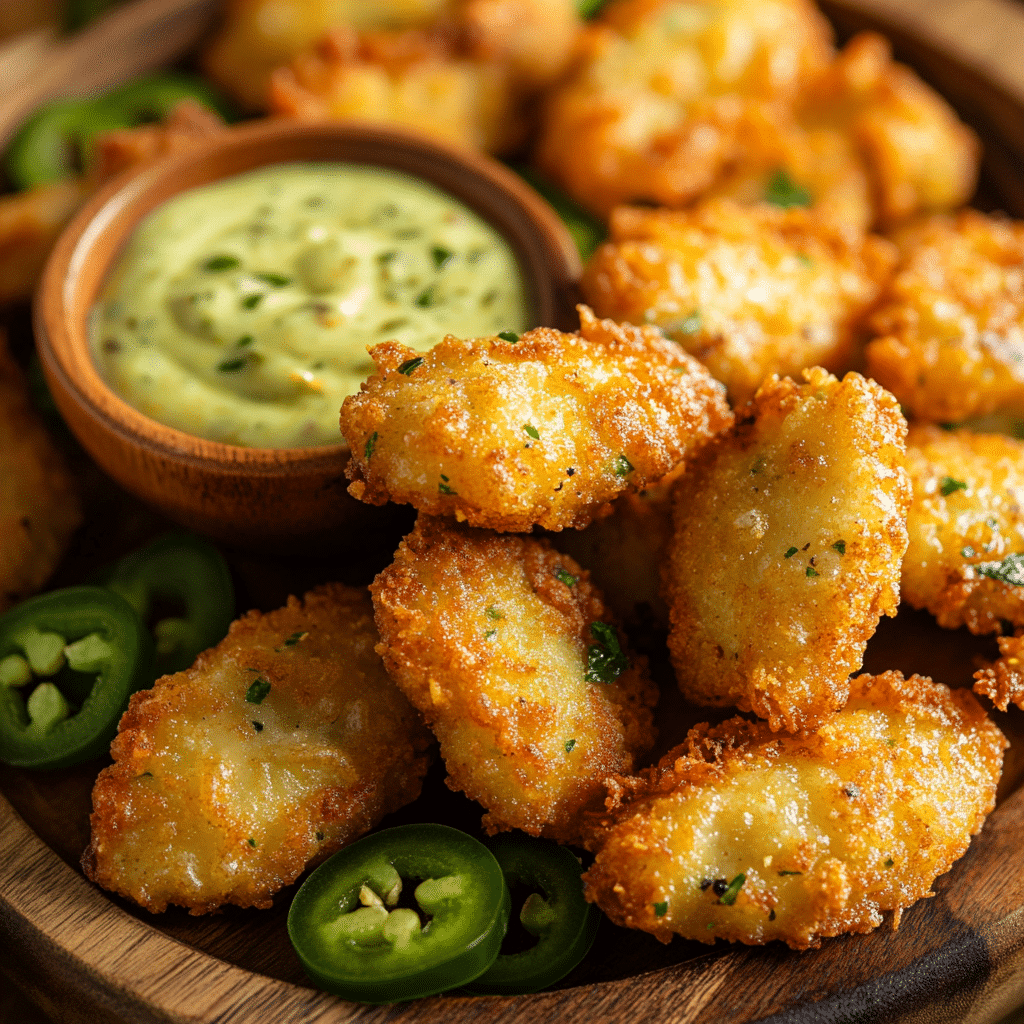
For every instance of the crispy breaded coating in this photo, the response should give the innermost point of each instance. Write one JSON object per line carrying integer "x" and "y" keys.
{"x": 789, "y": 533}
{"x": 468, "y": 79}
{"x": 418, "y": 78}
{"x": 966, "y": 528}
{"x": 257, "y": 36}
{"x": 748, "y": 835}
{"x": 624, "y": 551}
{"x": 519, "y": 669}
{"x": 280, "y": 745}
{"x": 949, "y": 335}
{"x": 919, "y": 156}
{"x": 749, "y": 291}
{"x": 39, "y": 504}
{"x": 666, "y": 93}
{"x": 1003, "y": 681}
{"x": 544, "y": 430}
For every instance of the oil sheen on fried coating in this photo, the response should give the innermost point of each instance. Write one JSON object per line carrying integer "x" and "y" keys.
{"x": 490, "y": 637}
{"x": 789, "y": 532}
{"x": 39, "y": 506}
{"x": 949, "y": 335}
{"x": 748, "y": 835}
{"x": 966, "y": 528}
{"x": 280, "y": 745}
{"x": 544, "y": 430}
{"x": 749, "y": 291}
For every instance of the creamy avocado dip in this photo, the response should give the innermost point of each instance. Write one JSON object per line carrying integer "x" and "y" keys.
{"x": 241, "y": 311}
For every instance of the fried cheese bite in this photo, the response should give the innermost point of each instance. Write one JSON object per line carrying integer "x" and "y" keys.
{"x": 666, "y": 93}
{"x": 1003, "y": 680}
{"x": 517, "y": 666}
{"x": 279, "y": 746}
{"x": 749, "y": 291}
{"x": 789, "y": 533}
{"x": 468, "y": 79}
{"x": 965, "y": 562}
{"x": 748, "y": 835}
{"x": 39, "y": 504}
{"x": 949, "y": 334}
{"x": 544, "y": 429}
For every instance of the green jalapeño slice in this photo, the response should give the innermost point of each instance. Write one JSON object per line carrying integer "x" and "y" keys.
{"x": 407, "y": 912}
{"x": 554, "y": 913}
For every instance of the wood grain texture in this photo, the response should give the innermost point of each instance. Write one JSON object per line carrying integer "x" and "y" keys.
{"x": 956, "y": 959}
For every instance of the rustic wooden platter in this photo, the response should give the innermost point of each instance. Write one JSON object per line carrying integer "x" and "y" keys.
{"x": 84, "y": 956}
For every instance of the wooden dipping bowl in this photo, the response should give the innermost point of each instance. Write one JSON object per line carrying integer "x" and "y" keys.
{"x": 261, "y": 497}
{"x": 89, "y": 958}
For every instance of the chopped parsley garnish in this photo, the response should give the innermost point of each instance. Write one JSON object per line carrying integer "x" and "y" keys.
{"x": 426, "y": 298}
{"x": 258, "y": 726}
{"x": 510, "y": 336}
{"x": 790, "y": 553}
{"x": 784, "y": 873}
{"x": 569, "y": 744}
{"x": 660, "y": 909}
{"x": 811, "y": 571}
{"x": 840, "y": 546}
{"x": 692, "y": 324}
{"x": 606, "y": 660}
{"x": 489, "y": 634}
{"x": 888, "y": 862}
{"x": 623, "y": 467}
{"x": 783, "y": 191}
{"x": 252, "y": 842}
{"x": 852, "y": 790}
{"x": 1009, "y": 570}
{"x": 967, "y": 552}
{"x": 805, "y": 260}
{"x": 947, "y": 485}
{"x": 274, "y": 280}
{"x": 221, "y": 263}
{"x": 410, "y": 364}
{"x": 729, "y": 896}
{"x": 232, "y": 365}
{"x": 566, "y": 577}
{"x": 443, "y": 488}
{"x": 495, "y": 613}
{"x": 252, "y": 301}
{"x": 245, "y": 341}
{"x": 292, "y": 641}
{"x": 258, "y": 690}
{"x": 531, "y": 431}
{"x": 371, "y": 443}
{"x": 890, "y": 742}
{"x": 440, "y": 255}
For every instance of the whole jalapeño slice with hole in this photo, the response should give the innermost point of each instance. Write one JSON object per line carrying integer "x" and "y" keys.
{"x": 558, "y": 924}
{"x": 403, "y": 913}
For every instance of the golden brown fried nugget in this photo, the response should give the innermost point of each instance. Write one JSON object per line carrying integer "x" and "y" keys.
{"x": 518, "y": 668}
{"x": 259, "y": 35}
{"x": 469, "y": 78}
{"x": 949, "y": 335}
{"x": 280, "y": 745}
{"x": 748, "y": 835}
{"x": 544, "y": 430}
{"x": 749, "y": 291}
{"x": 624, "y": 552}
{"x": 965, "y": 562}
{"x": 788, "y": 540}
{"x": 667, "y": 93}
{"x": 1003, "y": 681}
{"x": 39, "y": 506}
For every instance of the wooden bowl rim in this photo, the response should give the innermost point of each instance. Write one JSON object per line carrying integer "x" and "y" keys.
{"x": 546, "y": 252}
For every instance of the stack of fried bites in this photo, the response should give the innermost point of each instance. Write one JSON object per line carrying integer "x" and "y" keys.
{"x": 805, "y": 256}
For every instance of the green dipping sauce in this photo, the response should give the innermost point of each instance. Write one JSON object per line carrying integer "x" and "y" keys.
{"x": 241, "y": 311}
